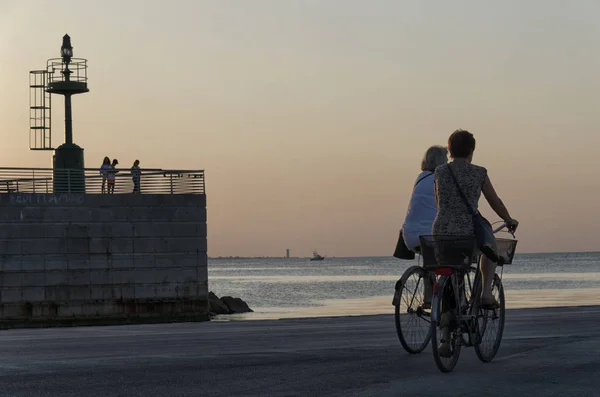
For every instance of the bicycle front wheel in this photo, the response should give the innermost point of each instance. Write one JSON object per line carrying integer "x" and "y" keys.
{"x": 445, "y": 315}
{"x": 490, "y": 325}
{"x": 411, "y": 312}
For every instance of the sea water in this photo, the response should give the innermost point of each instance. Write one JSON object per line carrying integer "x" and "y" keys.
{"x": 298, "y": 287}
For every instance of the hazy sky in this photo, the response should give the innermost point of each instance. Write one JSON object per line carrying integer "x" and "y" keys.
{"x": 311, "y": 117}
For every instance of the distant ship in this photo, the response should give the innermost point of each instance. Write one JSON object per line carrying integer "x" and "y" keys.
{"x": 316, "y": 257}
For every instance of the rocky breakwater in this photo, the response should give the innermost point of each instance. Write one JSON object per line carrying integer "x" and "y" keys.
{"x": 226, "y": 305}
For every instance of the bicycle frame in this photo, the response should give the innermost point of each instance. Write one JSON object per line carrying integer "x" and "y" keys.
{"x": 456, "y": 277}
{"x": 460, "y": 280}
{"x": 459, "y": 320}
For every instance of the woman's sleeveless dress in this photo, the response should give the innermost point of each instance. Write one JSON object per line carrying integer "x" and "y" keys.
{"x": 453, "y": 216}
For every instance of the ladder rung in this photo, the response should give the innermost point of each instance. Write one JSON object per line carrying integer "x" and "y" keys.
{"x": 39, "y": 128}
{"x": 39, "y": 107}
{"x": 38, "y": 86}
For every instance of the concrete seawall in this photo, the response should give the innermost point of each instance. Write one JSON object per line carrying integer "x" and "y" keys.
{"x": 69, "y": 259}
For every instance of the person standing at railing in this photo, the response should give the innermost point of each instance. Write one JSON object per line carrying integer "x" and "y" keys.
{"x": 104, "y": 172}
{"x": 112, "y": 175}
{"x": 135, "y": 176}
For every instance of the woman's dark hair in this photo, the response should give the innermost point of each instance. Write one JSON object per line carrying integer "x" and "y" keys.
{"x": 461, "y": 143}
{"x": 106, "y": 161}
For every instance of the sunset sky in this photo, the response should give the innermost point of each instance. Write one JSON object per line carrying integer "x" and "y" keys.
{"x": 311, "y": 117}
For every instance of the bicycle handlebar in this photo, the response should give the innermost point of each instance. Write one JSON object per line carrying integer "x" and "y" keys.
{"x": 496, "y": 230}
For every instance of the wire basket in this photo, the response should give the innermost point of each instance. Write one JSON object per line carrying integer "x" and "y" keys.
{"x": 506, "y": 250}
{"x": 457, "y": 252}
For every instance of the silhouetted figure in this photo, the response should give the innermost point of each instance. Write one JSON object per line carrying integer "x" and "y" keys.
{"x": 135, "y": 176}
{"x": 112, "y": 175}
{"x": 104, "y": 172}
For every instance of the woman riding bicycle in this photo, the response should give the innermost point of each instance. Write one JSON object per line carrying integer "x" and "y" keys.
{"x": 455, "y": 218}
{"x": 422, "y": 208}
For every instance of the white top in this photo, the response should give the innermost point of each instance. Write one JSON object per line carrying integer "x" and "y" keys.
{"x": 421, "y": 210}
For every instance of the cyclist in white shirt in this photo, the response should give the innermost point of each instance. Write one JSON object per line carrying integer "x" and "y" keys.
{"x": 422, "y": 209}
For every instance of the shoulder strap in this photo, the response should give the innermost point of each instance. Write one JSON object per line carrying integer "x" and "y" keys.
{"x": 422, "y": 179}
{"x": 462, "y": 195}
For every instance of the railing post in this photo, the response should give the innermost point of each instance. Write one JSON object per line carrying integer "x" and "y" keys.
{"x": 33, "y": 177}
{"x": 171, "y": 177}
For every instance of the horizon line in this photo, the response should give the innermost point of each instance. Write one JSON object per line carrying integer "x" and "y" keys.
{"x": 383, "y": 256}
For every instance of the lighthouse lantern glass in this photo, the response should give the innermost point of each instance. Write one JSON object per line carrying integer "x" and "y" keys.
{"x": 66, "y": 51}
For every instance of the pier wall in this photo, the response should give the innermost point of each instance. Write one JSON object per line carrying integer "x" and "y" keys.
{"x": 75, "y": 259}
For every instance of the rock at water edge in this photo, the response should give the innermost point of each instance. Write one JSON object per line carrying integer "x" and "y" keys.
{"x": 216, "y": 305}
{"x": 236, "y": 305}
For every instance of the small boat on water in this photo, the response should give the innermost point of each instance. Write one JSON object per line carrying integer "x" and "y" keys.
{"x": 316, "y": 257}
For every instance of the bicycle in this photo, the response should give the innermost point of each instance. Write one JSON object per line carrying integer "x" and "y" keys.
{"x": 455, "y": 302}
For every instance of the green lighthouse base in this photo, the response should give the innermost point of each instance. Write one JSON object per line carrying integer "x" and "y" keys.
{"x": 69, "y": 174}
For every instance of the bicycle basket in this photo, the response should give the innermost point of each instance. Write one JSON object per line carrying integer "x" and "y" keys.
{"x": 456, "y": 252}
{"x": 506, "y": 250}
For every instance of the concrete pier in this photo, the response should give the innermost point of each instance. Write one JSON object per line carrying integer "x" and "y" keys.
{"x": 76, "y": 259}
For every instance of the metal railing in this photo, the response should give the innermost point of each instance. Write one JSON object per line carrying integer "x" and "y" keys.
{"x": 55, "y": 69}
{"x": 93, "y": 181}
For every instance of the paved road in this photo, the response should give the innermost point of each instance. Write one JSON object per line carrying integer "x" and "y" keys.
{"x": 545, "y": 352}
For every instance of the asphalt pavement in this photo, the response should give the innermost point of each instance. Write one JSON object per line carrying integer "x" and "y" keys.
{"x": 544, "y": 352}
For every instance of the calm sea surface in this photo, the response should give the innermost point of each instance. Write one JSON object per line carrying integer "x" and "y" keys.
{"x": 283, "y": 288}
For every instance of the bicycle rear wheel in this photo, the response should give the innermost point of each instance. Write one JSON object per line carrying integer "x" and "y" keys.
{"x": 444, "y": 302}
{"x": 490, "y": 325}
{"x": 412, "y": 320}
